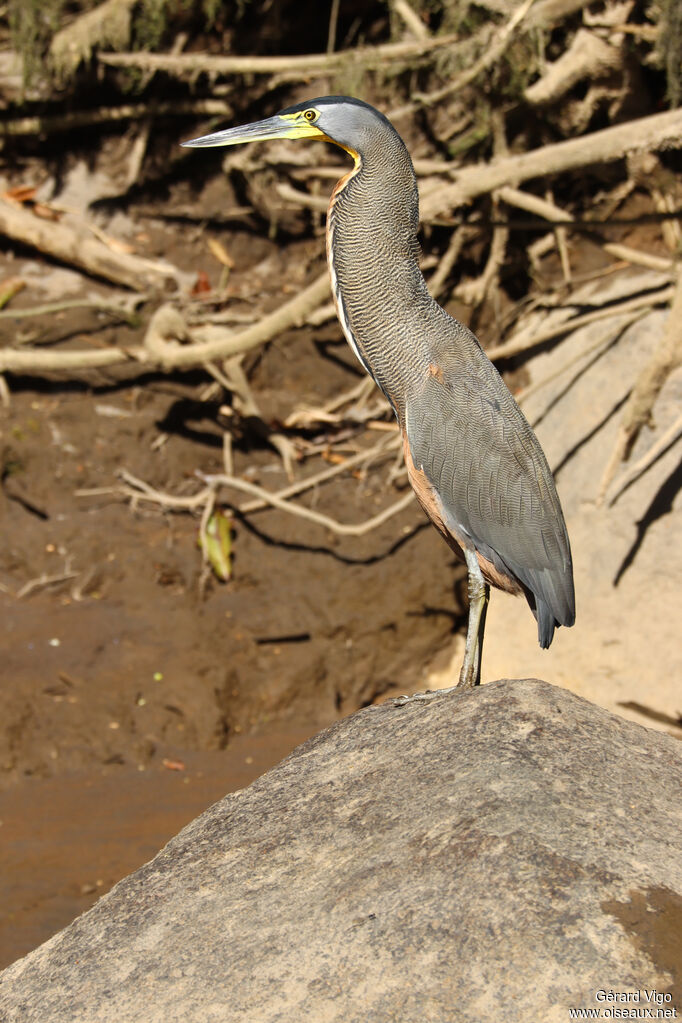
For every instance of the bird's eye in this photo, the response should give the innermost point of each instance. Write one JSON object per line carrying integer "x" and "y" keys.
{"x": 310, "y": 115}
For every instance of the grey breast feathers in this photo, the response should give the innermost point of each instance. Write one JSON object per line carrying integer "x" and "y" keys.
{"x": 482, "y": 458}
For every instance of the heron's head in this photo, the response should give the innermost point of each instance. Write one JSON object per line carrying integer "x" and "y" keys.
{"x": 349, "y": 123}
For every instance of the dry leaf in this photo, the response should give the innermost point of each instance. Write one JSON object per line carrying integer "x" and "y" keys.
{"x": 22, "y": 193}
{"x": 9, "y": 288}
{"x": 216, "y": 544}
{"x": 202, "y": 284}
{"x": 334, "y": 457}
{"x": 116, "y": 245}
{"x": 220, "y": 253}
{"x": 45, "y": 212}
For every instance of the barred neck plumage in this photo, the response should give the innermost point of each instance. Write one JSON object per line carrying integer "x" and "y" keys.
{"x": 373, "y": 253}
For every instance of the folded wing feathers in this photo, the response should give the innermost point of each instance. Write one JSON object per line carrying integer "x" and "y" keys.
{"x": 491, "y": 475}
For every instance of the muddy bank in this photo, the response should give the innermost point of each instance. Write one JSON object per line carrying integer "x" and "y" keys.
{"x": 64, "y": 841}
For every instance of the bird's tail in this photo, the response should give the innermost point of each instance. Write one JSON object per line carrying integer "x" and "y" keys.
{"x": 553, "y": 604}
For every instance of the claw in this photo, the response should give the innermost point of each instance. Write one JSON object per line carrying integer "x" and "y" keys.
{"x": 427, "y": 697}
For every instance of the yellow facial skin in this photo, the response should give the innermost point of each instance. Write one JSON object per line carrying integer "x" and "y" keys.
{"x": 304, "y": 122}
{"x": 302, "y": 125}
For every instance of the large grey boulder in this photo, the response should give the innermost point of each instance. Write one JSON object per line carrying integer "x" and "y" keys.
{"x": 500, "y": 854}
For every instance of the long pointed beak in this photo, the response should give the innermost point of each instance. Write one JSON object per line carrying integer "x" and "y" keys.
{"x": 276, "y": 127}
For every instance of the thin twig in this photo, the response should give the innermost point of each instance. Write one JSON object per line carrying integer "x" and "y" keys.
{"x": 438, "y": 278}
{"x": 42, "y": 581}
{"x": 333, "y": 21}
{"x": 550, "y": 211}
{"x": 491, "y": 54}
{"x": 523, "y": 344}
{"x": 290, "y": 314}
{"x": 638, "y": 408}
{"x": 143, "y": 491}
{"x": 341, "y": 528}
{"x": 190, "y": 502}
{"x": 328, "y": 413}
{"x": 198, "y": 500}
{"x": 638, "y": 258}
{"x": 665, "y": 441}
{"x": 50, "y": 308}
{"x": 413, "y": 23}
{"x": 473, "y": 292}
{"x": 320, "y": 477}
{"x": 311, "y": 202}
{"x": 603, "y": 342}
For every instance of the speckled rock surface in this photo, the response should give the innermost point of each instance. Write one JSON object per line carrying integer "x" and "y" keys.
{"x": 498, "y": 854}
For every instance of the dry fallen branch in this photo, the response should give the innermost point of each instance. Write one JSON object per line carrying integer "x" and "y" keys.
{"x": 326, "y": 413}
{"x": 547, "y": 13}
{"x": 321, "y": 315}
{"x": 50, "y": 124}
{"x": 473, "y": 291}
{"x": 655, "y": 179}
{"x": 588, "y": 57}
{"x": 627, "y": 254}
{"x": 323, "y": 417}
{"x": 161, "y": 348}
{"x": 231, "y": 377}
{"x": 289, "y": 68}
{"x": 659, "y": 131}
{"x": 457, "y": 241}
{"x": 385, "y": 448}
{"x": 423, "y": 167}
{"x": 78, "y": 248}
{"x": 638, "y": 410}
{"x": 291, "y": 314}
{"x": 295, "y": 195}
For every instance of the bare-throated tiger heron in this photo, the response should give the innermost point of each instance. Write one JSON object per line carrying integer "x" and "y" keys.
{"x": 473, "y": 460}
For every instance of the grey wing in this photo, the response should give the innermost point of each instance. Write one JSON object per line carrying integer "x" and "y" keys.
{"x": 481, "y": 456}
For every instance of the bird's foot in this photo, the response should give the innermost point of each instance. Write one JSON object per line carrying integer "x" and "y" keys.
{"x": 468, "y": 681}
{"x": 427, "y": 697}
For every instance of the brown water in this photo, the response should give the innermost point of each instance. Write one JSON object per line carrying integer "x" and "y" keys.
{"x": 65, "y": 841}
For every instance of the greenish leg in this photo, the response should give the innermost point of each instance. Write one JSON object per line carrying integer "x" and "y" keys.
{"x": 481, "y": 632}
{"x": 470, "y": 675}
{"x": 479, "y": 593}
